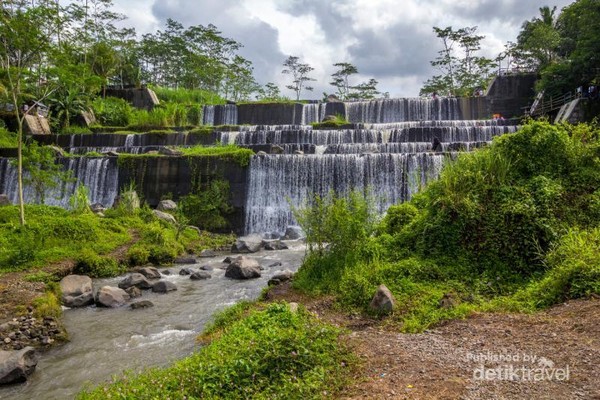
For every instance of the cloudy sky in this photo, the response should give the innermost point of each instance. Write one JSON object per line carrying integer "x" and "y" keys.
{"x": 389, "y": 40}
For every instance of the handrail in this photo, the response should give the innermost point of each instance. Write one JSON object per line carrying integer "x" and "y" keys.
{"x": 544, "y": 104}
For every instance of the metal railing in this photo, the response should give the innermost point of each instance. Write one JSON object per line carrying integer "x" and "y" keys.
{"x": 544, "y": 104}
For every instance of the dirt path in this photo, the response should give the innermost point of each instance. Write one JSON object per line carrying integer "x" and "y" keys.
{"x": 553, "y": 354}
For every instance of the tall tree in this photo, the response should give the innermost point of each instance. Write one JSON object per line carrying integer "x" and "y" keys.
{"x": 299, "y": 72}
{"x": 539, "y": 39}
{"x": 365, "y": 90}
{"x": 462, "y": 69}
{"x": 340, "y": 79}
{"x": 24, "y": 43}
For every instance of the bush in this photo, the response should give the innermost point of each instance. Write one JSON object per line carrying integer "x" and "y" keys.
{"x": 112, "y": 111}
{"x": 138, "y": 255}
{"x": 97, "y": 266}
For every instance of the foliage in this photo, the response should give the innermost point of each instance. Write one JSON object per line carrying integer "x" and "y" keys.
{"x": 462, "y": 70}
{"x": 48, "y": 305}
{"x": 299, "y": 73}
{"x": 80, "y": 200}
{"x": 208, "y": 206}
{"x": 112, "y": 111}
{"x": 340, "y": 122}
{"x": 7, "y": 139}
{"x": 510, "y": 226}
{"x": 272, "y": 353}
{"x": 340, "y": 79}
{"x": 270, "y": 93}
{"x": 231, "y": 152}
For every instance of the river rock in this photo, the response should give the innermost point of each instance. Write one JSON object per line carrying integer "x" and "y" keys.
{"x": 283, "y": 276}
{"x": 76, "y": 291}
{"x": 293, "y": 233}
{"x": 141, "y": 304}
{"x": 228, "y": 260}
{"x": 186, "y": 271}
{"x": 243, "y": 268}
{"x": 97, "y": 208}
{"x": 109, "y": 296}
{"x": 16, "y": 366}
{"x": 135, "y": 279}
{"x": 163, "y": 287}
{"x": 383, "y": 302}
{"x": 200, "y": 275}
{"x": 164, "y": 216}
{"x": 166, "y": 205}
{"x": 134, "y": 292}
{"x": 166, "y": 272}
{"x": 206, "y": 268}
{"x": 149, "y": 272}
{"x": 4, "y": 200}
{"x": 275, "y": 264}
{"x": 274, "y": 245}
{"x": 247, "y": 244}
{"x": 185, "y": 260}
{"x": 206, "y": 253}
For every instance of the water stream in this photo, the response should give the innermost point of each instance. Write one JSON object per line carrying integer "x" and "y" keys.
{"x": 105, "y": 342}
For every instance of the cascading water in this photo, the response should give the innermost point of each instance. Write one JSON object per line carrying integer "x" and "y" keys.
{"x": 99, "y": 175}
{"x": 226, "y": 114}
{"x": 397, "y": 110}
{"x": 277, "y": 181}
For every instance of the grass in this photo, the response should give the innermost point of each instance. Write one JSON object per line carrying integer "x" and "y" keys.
{"x": 53, "y": 234}
{"x": 268, "y": 353}
{"x": 338, "y": 123}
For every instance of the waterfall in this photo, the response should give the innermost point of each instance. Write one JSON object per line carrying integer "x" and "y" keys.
{"x": 276, "y": 181}
{"x": 314, "y": 112}
{"x": 397, "y": 110}
{"x": 226, "y": 114}
{"x": 99, "y": 175}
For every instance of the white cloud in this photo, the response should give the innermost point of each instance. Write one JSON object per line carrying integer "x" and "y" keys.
{"x": 389, "y": 40}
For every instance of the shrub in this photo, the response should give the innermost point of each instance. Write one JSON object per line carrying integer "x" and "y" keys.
{"x": 97, "y": 266}
{"x": 138, "y": 255}
{"x": 112, "y": 111}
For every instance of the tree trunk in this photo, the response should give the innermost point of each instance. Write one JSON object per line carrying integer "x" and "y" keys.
{"x": 20, "y": 169}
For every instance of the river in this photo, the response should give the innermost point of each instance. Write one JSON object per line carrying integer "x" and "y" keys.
{"x": 106, "y": 342}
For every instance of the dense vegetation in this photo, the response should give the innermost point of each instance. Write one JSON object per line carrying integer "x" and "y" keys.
{"x": 55, "y": 234}
{"x": 511, "y": 226}
{"x": 271, "y": 353}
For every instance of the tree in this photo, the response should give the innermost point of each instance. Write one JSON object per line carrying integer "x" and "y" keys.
{"x": 539, "y": 39}
{"x": 341, "y": 79}
{"x": 43, "y": 172}
{"x": 462, "y": 70}
{"x": 299, "y": 72}
{"x": 365, "y": 91}
{"x": 24, "y": 43}
{"x": 270, "y": 92}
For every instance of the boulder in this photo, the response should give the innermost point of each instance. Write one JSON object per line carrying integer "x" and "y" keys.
{"x": 274, "y": 245}
{"x": 298, "y": 152}
{"x": 149, "y": 272}
{"x": 166, "y": 272}
{"x": 163, "y": 287}
{"x": 383, "y": 302}
{"x": 328, "y": 118}
{"x": 109, "y": 296}
{"x": 110, "y": 153}
{"x": 261, "y": 153}
{"x": 206, "y": 253}
{"x": 4, "y": 200}
{"x": 141, "y": 304}
{"x": 206, "y": 268}
{"x": 186, "y": 271}
{"x": 185, "y": 260}
{"x": 200, "y": 275}
{"x": 283, "y": 276}
{"x": 166, "y": 205}
{"x": 271, "y": 235}
{"x": 167, "y": 151}
{"x": 133, "y": 292}
{"x": 135, "y": 279}
{"x": 293, "y": 233}
{"x": 76, "y": 291}
{"x": 97, "y": 208}
{"x": 275, "y": 149}
{"x": 275, "y": 264}
{"x": 16, "y": 366}
{"x": 228, "y": 260}
{"x": 243, "y": 268}
{"x": 164, "y": 216}
{"x": 247, "y": 244}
